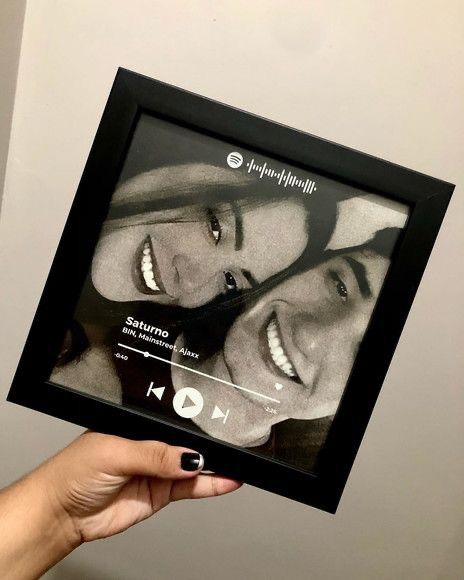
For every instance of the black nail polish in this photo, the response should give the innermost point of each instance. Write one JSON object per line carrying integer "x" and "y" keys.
{"x": 192, "y": 461}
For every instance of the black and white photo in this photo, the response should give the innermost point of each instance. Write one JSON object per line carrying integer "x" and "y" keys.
{"x": 252, "y": 293}
{"x": 230, "y": 284}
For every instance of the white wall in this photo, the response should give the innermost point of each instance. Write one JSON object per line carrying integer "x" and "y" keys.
{"x": 382, "y": 77}
{"x": 11, "y": 26}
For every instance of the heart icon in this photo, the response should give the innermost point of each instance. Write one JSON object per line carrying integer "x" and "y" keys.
{"x": 279, "y": 386}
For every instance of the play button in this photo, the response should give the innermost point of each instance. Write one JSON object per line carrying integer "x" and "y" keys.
{"x": 188, "y": 403}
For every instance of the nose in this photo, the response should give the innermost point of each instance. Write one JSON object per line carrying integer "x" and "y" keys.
{"x": 330, "y": 349}
{"x": 324, "y": 341}
{"x": 310, "y": 336}
{"x": 188, "y": 273}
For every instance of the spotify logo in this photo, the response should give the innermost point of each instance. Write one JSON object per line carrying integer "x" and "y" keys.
{"x": 234, "y": 159}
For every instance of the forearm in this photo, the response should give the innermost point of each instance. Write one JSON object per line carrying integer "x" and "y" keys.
{"x": 34, "y": 534}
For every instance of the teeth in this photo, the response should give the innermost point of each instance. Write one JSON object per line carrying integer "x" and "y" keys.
{"x": 276, "y": 350}
{"x": 146, "y": 265}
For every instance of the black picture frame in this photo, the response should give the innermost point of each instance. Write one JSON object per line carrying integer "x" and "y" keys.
{"x": 133, "y": 94}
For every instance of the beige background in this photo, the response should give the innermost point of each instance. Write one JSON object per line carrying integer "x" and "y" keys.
{"x": 11, "y": 26}
{"x": 381, "y": 77}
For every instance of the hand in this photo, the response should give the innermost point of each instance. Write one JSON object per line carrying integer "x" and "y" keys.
{"x": 106, "y": 484}
{"x": 98, "y": 486}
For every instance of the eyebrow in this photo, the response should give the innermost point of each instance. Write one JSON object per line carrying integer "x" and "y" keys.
{"x": 239, "y": 241}
{"x": 360, "y": 273}
{"x": 238, "y": 226}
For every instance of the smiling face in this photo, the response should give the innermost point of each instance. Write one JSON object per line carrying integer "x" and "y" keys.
{"x": 190, "y": 255}
{"x": 296, "y": 345}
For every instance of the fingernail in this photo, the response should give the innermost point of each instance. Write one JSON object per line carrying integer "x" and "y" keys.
{"x": 192, "y": 461}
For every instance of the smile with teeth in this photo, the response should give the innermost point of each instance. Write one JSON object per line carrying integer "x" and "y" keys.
{"x": 276, "y": 350}
{"x": 146, "y": 266}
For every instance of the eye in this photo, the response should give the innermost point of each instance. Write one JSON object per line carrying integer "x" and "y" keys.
{"x": 339, "y": 286}
{"x": 231, "y": 283}
{"x": 214, "y": 226}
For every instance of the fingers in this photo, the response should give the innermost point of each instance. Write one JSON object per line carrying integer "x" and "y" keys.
{"x": 203, "y": 486}
{"x": 156, "y": 459}
{"x": 124, "y": 457}
{"x": 120, "y": 456}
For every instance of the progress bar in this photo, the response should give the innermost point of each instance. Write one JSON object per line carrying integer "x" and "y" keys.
{"x": 147, "y": 354}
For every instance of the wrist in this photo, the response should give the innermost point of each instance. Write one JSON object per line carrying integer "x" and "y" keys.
{"x": 66, "y": 536}
{"x": 36, "y": 532}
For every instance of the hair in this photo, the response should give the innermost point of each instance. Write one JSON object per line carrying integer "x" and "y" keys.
{"x": 383, "y": 243}
{"x": 321, "y": 211}
{"x": 247, "y": 195}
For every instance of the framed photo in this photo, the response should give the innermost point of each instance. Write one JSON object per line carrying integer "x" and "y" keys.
{"x": 229, "y": 284}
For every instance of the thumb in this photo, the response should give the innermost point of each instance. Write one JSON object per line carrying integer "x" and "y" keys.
{"x": 152, "y": 459}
